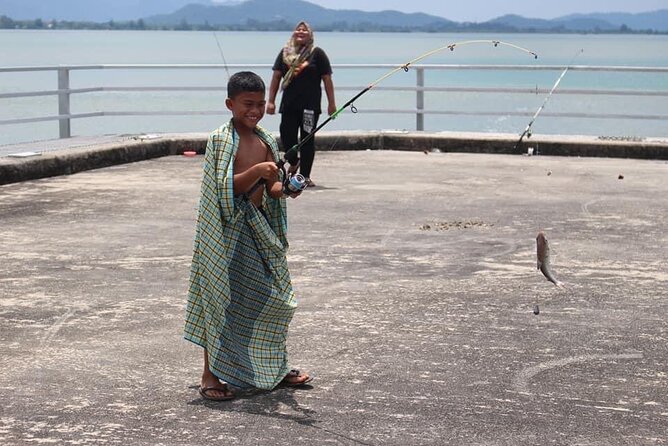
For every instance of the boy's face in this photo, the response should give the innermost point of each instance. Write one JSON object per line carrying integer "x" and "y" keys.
{"x": 247, "y": 108}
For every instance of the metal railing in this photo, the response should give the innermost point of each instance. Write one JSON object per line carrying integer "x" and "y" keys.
{"x": 65, "y": 91}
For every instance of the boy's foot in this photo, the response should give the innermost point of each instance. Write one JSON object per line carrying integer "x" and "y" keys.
{"x": 295, "y": 378}
{"x": 212, "y": 389}
{"x": 310, "y": 183}
{"x": 219, "y": 392}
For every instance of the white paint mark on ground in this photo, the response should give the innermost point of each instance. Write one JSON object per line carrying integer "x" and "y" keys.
{"x": 617, "y": 409}
{"x": 522, "y": 378}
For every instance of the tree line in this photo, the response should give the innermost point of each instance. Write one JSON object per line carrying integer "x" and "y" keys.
{"x": 282, "y": 25}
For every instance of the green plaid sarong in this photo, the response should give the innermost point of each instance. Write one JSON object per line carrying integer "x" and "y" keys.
{"x": 240, "y": 299}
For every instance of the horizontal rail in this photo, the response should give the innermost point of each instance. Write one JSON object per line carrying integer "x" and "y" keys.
{"x": 518, "y": 90}
{"x": 64, "y": 92}
{"x": 52, "y": 118}
{"x": 612, "y": 68}
{"x": 350, "y": 88}
{"x": 411, "y": 111}
{"x": 513, "y": 113}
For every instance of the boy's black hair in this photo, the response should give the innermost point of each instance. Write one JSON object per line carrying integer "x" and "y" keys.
{"x": 244, "y": 81}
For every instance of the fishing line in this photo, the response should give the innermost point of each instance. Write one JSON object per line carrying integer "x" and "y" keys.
{"x": 220, "y": 49}
{"x": 404, "y": 67}
{"x": 527, "y": 130}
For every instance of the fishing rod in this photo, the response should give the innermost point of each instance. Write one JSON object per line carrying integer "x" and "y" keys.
{"x": 220, "y": 49}
{"x": 403, "y": 67}
{"x": 527, "y": 130}
{"x": 295, "y": 149}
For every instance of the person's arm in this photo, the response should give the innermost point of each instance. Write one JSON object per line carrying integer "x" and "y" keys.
{"x": 273, "y": 186}
{"x": 325, "y": 71}
{"x": 273, "y": 91}
{"x": 243, "y": 181}
{"x": 329, "y": 90}
{"x": 275, "y": 190}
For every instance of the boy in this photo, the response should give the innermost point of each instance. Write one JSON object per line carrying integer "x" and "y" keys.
{"x": 240, "y": 299}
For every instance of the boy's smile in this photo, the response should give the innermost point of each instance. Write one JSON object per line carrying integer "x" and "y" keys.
{"x": 247, "y": 108}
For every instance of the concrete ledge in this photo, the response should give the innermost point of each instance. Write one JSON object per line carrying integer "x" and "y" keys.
{"x": 71, "y": 159}
{"x": 501, "y": 143}
{"x": 77, "y": 159}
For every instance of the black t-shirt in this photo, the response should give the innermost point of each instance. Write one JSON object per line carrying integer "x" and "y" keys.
{"x": 304, "y": 92}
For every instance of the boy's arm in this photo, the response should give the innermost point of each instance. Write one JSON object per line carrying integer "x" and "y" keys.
{"x": 243, "y": 181}
{"x": 275, "y": 190}
{"x": 274, "y": 186}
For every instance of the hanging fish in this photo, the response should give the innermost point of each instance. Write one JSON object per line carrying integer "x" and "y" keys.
{"x": 543, "y": 264}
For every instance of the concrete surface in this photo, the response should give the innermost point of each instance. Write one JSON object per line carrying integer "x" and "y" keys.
{"x": 416, "y": 277}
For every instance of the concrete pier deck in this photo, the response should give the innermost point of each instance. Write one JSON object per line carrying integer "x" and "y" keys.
{"x": 416, "y": 277}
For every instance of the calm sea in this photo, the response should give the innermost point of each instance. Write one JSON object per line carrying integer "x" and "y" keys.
{"x": 35, "y": 48}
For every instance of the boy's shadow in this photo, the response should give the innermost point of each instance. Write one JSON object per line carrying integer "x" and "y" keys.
{"x": 320, "y": 187}
{"x": 265, "y": 403}
{"x": 268, "y": 404}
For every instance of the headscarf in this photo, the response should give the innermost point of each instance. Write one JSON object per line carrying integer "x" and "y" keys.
{"x": 295, "y": 56}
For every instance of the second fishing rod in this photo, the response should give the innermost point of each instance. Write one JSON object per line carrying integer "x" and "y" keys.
{"x": 296, "y": 183}
{"x": 527, "y": 130}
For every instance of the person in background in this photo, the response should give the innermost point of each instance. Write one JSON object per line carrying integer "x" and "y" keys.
{"x": 240, "y": 297}
{"x": 299, "y": 69}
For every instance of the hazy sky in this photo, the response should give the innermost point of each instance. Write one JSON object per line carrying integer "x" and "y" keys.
{"x": 481, "y": 10}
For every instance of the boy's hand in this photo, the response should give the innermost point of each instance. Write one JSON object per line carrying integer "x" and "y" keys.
{"x": 267, "y": 170}
{"x": 293, "y": 168}
{"x": 294, "y": 194}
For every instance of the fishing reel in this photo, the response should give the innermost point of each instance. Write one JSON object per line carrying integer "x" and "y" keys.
{"x": 293, "y": 183}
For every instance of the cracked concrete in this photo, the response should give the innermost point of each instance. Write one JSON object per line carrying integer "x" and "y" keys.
{"x": 418, "y": 326}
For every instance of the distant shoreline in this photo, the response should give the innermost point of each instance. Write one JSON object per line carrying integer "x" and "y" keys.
{"x": 7, "y": 23}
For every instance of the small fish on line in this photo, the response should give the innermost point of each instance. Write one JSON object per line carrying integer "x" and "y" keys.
{"x": 543, "y": 263}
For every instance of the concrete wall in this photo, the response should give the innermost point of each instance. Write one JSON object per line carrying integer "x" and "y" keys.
{"x": 72, "y": 159}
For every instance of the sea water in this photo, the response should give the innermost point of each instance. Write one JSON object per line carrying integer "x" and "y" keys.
{"x": 64, "y": 47}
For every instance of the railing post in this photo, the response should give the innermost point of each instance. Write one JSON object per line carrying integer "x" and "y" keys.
{"x": 419, "y": 101}
{"x": 64, "y": 102}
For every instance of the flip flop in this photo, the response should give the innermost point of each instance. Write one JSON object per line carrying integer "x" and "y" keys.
{"x": 203, "y": 393}
{"x": 294, "y": 373}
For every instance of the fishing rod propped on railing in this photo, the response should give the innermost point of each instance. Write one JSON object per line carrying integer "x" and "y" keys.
{"x": 527, "y": 130}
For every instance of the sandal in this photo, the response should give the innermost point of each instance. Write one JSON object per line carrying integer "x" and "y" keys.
{"x": 228, "y": 394}
{"x": 289, "y": 380}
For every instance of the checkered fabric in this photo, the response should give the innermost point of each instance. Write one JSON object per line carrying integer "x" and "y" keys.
{"x": 240, "y": 300}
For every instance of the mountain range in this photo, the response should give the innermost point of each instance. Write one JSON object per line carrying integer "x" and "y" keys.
{"x": 283, "y": 14}
{"x": 291, "y": 12}
{"x": 90, "y": 10}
